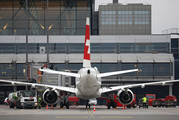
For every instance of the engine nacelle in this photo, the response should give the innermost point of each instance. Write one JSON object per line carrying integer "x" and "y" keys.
{"x": 50, "y": 97}
{"x": 125, "y": 97}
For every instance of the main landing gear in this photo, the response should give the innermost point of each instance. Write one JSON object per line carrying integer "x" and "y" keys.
{"x": 66, "y": 104}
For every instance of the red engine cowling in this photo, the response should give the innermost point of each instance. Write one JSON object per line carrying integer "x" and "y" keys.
{"x": 51, "y": 97}
{"x": 125, "y": 97}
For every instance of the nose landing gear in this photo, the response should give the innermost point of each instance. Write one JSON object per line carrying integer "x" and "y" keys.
{"x": 87, "y": 104}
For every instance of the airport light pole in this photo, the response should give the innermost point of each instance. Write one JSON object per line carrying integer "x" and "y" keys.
{"x": 26, "y": 41}
{"x": 47, "y": 39}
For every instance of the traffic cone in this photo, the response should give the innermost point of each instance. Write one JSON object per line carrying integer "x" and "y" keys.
{"x": 51, "y": 106}
{"x": 123, "y": 107}
{"x": 47, "y": 107}
{"x": 94, "y": 108}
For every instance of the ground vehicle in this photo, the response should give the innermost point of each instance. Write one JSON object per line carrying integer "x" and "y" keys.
{"x": 73, "y": 100}
{"x": 168, "y": 101}
{"x": 6, "y": 101}
{"x": 151, "y": 97}
{"x": 160, "y": 102}
{"x": 141, "y": 103}
{"x": 23, "y": 99}
{"x": 171, "y": 100}
{"x": 113, "y": 101}
{"x": 156, "y": 103}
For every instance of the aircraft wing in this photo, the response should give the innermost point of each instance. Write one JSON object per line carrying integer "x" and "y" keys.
{"x": 116, "y": 73}
{"x": 59, "y": 72}
{"x": 62, "y": 88}
{"x": 142, "y": 85}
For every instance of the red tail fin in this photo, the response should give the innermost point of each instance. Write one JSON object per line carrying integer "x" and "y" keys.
{"x": 86, "y": 58}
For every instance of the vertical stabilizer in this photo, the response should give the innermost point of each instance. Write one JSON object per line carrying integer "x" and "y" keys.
{"x": 86, "y": 58}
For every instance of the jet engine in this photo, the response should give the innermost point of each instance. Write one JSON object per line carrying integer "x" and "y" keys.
{"x": 125, "y": 96}
{"x": 50, "y": 97}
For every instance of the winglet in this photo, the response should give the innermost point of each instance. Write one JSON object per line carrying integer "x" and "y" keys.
{"x": 86, "y": 58}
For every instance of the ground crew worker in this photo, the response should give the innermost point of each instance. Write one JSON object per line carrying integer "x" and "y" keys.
{"x": 144, "y": 99}
{"x": 39, "y": 101}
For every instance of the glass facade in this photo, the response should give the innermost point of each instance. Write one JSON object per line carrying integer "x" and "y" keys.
{"x": 66, "y": 17}
{"x": 141, "y": 17}
{"x": 144, "y": 48}
{"x": 145, "y": 69}
{"x": 162, "y": 69}
{"x": 21, "y": 70}
{"x": 174, "y": 47}
{"x": 76, "y": 48}
{"x": 109, "y": 67}
{"x": 129, "y": 19}
{"x": 124, "y": 17}
{"x": 127, "y": 48}
{"x": 108, "y": 17}
{"x": 7, "y": 48}
{"x": 6, "y": 69}
{"x": 58, "y": 66}
{"x": 18, "y": 48}
{"x": 128, "y": 66}
{"x": 12, "y": 70}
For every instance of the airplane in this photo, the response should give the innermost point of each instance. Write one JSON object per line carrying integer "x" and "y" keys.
{"x": 88, "y": 82}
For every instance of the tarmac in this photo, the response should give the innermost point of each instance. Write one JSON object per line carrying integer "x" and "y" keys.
{"x": 80, "y": 112}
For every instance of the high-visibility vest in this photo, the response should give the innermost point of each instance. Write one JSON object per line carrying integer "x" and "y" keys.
{"x": 144, "y": 100}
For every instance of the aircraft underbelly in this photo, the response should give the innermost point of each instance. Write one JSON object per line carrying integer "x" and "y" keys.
{"x": 89, "y": 88}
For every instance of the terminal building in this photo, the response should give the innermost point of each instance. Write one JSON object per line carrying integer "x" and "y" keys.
{"x": 121, "y": 39}
{"x": 119, "y": 19}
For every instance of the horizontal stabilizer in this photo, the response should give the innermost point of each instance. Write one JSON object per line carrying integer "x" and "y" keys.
{"x": 116, "y": 73}
{"x": 59, "y": 72}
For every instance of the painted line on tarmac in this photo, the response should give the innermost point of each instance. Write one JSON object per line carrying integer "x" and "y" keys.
{"x": 72, "y": 117}
{"x": 90, "y": 113}
{"x": 115, "y": 117}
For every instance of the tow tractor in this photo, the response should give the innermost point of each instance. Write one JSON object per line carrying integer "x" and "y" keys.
{"x": 151, "y": 98}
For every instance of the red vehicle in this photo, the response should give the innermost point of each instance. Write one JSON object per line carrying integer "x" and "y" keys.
{"x": 168, "y": 101}
{"x": 171, "y": 101}
{"x": 161, "y": 102}
{"x": 73, "y": 100}
{"x": 113, "y": 101}
{"x": 151, "y": 97}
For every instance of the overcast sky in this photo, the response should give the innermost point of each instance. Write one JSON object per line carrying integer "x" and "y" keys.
{"x": 165, "y": 13}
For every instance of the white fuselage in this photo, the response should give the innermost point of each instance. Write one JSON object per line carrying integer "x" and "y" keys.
{"x": 88, "y": 84}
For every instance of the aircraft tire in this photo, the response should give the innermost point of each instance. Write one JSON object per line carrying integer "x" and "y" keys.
{"x": 67, "y": 105}
{"x": 61, "y": 104}
{"x": 109, "y": 105}
{"x": 114, "y": 105}
{"x": 86, "y": 105}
